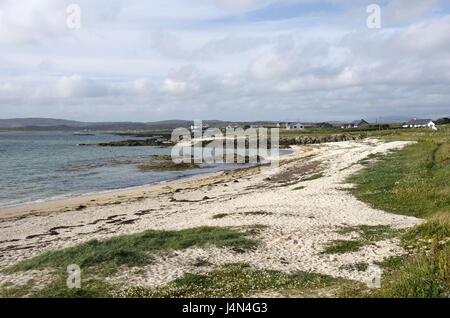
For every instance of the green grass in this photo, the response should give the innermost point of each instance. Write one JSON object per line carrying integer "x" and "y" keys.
{"x": 392, "y": 262}
{"x": 369, "y": 159}
{"x": 299, "y": 188}
{"x": 90, "y": 288}
{"x": 439, "y": 226}
{"x": 135, "y": 249}
{"x": 233, "y": 280}
{"x": 368, "y": 234}
{"x": 342, "y": 246}
{"x": 414, "y": 180}
{"x": 227, "y": 280}
{"x": 420, "y": 276}
{"x": 12, "y": 291}
{"x": 417, "y": 134}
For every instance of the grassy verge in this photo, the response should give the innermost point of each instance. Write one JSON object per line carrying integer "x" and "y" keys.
{"x": 135, "y": 249}
{"x": 412, "y": 181}
{"x": 422, "y": 275}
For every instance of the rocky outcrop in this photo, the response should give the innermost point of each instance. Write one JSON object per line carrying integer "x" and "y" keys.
{"x": 308, "y": 140}
{"x": 286, "y": 141}
{"x": 134, "y": 143}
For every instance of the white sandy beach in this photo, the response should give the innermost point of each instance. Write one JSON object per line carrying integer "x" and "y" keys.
{"x": 299, "y": 223}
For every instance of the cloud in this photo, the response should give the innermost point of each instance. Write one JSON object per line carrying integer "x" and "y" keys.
{"x": 212, "y": 60}
{"x": 401, "y": 11}
{"x": 76, "y": 86}
{"x": 269, "y": 66}
{"x": 31, "y": 21}
{"x": 241, "y": 4}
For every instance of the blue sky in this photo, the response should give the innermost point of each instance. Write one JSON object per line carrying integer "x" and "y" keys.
{"x": 224, "y": 59}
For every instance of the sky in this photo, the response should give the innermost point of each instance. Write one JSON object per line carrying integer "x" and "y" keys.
{"x": 238, "y": 60}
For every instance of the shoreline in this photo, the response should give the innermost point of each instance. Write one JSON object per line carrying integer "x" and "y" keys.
{"x": 129, "y": 194}
{"x": 94, "y": 193}
{"x": 296, "y": 222}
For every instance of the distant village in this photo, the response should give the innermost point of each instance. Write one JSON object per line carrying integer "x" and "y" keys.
{"x": 357, "y": 124}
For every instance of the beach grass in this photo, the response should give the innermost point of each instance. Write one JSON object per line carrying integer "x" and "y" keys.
{"x": 226, "y": 280}
{"x": 342, "y": 246}
{"x": 423, "y": 275}
{"x": 367, "y": 234}
{"x": 393, "y": 182}
{"x": 135, "y": 249}
{"x": 413, "y": 181}
{"x": 232, "y": 280}
{"x": 13, "y": 291}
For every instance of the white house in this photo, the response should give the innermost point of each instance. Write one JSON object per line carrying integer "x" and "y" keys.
{"x": 198, "y": 129}
{"x": 419, "y": 123}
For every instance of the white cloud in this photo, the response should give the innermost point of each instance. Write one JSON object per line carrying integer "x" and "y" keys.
{"x": 206, "y": 59}
{"x": 77, "y": 86}
{"x": 400, "y": 11}
{"x": 31, "y": 21}
{"x": 270, "y": 66}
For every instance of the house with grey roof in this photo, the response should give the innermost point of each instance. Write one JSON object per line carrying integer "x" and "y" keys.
{"x": 323, "y": 125}
{"x": 355, "y": 124}
{"x": 419, "y": 123}
{"x": 294, "y": 126}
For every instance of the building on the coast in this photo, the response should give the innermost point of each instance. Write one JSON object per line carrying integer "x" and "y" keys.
{"x": 198, "y": 129}
{"x": 323, "y": 125}
{"x": 419, "y": 123}
{"x": 289, "y": 126}
{"x": 355, "y": 124}
{"x": 257, "y": 126}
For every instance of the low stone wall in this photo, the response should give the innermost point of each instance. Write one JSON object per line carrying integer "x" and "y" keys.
{"x": 308, "y": 140}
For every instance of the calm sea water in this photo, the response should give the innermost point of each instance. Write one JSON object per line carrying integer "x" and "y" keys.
{"x": 44, "y": 166}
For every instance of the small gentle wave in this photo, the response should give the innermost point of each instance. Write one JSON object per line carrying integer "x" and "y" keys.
{"x": 43, "y": 167}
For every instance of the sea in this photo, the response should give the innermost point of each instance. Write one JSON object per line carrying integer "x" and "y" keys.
{"x": 40, "y": 167}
